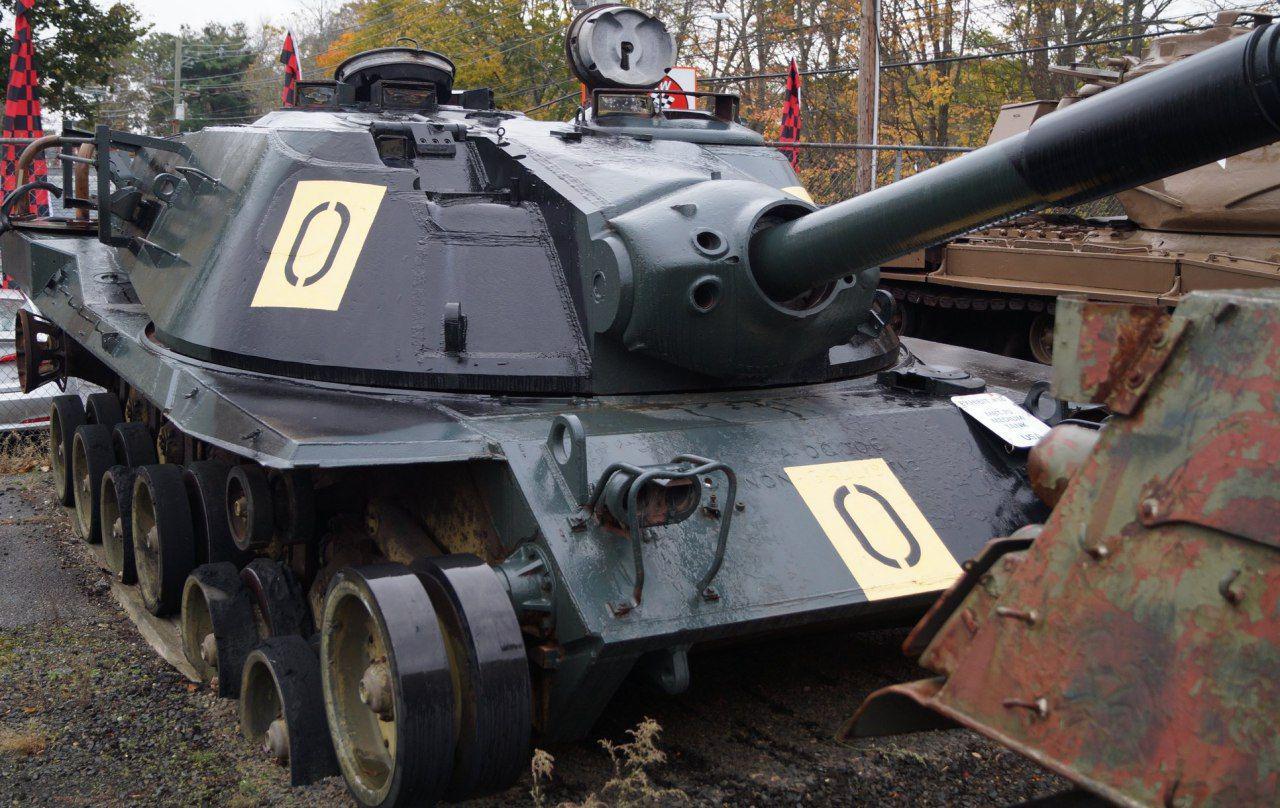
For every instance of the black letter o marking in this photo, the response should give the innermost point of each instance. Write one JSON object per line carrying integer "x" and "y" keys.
{"x": 344, "y": 217}
{"x": 913, "y": 555}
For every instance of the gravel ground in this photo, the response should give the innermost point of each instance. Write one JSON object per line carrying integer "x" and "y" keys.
{"x": 90, "y": 715}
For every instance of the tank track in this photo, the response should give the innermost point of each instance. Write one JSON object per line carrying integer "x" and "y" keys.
{"x": 966, "y": 300}
{"x": 1007, "y": 324}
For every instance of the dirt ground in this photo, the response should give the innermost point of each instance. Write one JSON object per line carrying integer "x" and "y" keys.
{"x": 89, "y": 715}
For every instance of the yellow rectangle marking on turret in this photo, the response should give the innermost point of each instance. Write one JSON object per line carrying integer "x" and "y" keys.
{"x": 799, "y": 192}
{"x": 876, "y": 528}
{"x": 319, "y": 242}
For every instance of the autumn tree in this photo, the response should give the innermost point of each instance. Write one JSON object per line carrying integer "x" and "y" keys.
{"x": 77, "y": 43}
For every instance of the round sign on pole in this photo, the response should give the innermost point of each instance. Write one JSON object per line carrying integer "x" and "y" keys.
{"x": 670, "y": 91}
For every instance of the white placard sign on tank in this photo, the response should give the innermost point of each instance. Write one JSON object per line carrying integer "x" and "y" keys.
{"x": 1012, "y": 424}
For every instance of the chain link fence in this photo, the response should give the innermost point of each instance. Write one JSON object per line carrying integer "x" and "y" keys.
{"x": 828, "y": 170}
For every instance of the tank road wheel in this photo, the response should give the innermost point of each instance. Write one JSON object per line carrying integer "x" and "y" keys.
{"x": 217, "y": 625}
{"x": 91, "y": 456}
{"x": 133, "y": 445}
{"x": 116, "y": 504}
{"x": 1040, "y": 337}
{"x": 281, "y": 702}
{"x": 388, "y": 689}
{"x": 163, "y": 546}
{"x": 280, "y": 606}
{"x": 66, "y": 415}
{"x": 491, "y": 674}
{"x": 103, "y": 408}
{"x": 293, "y": 505}
{"x": 249, "y": 512}
{"x": 206, "y": 482}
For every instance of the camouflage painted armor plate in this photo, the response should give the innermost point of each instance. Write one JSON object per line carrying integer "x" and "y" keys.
{"x": 1132, "y": 646}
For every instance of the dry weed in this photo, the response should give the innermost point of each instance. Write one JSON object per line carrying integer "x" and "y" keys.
{"x": 630, "y": 786}
{"x": 543, "y": 766}
{"x": 21, "y": 452}
{"x": 28, "y": 742}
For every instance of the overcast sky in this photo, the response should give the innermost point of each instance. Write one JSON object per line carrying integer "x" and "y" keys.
{"x": 170, "y": 15}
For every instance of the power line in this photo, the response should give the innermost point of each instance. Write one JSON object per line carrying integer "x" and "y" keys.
{"x": 550, "y": 103}
{"x": 966, "y": 58}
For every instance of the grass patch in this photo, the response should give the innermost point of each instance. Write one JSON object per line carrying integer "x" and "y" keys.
{"x": 26, "y": 742}
{"x": 8, "y": 650}
{"x": 21, "y": 452}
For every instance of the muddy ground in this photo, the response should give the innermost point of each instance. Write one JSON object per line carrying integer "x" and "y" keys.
{"x": 89, "y": 715}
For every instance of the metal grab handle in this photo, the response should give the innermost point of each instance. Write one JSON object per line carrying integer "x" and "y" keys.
{"x": 670, "y": 471}
{"x": 35, "y": 147}
{"x": 6, "y": 223}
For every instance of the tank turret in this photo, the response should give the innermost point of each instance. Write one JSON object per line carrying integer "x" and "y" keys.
{"x": 639, "y": 248}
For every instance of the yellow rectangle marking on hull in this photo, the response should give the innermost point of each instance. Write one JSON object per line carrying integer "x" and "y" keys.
{"x": 876, "y": 528}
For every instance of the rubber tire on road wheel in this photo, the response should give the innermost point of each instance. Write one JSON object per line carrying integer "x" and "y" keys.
{"x": 66, "y": 415}
{"x": 252, "y": 528}
{"x": 91, "y": 456}
{"x": 116, "y": 498}
{"x": 206, "y": 482}
{"x": 164, "y": 547}
{"x": 281, "y": 679}
{"x": 103, "y": 408}
{"x": 134, "y": 445}
{"x": 278, "y": 598}
{"x": 1040, "y": 338}
{"x": 490, "y": 668}
{"x": 381, "y": 615}
{"x": 214, "y": 601}
{"x": 293, "y": 505}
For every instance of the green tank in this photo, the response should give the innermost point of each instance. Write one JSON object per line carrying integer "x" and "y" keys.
{"x": 429, "y": 423}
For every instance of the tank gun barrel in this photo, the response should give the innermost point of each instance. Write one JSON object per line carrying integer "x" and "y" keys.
{"x": 1215, "y": 104}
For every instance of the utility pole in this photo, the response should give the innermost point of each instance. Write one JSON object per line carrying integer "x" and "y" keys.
{"x": 868, "y": 89}
{"x": 179, "y": 108}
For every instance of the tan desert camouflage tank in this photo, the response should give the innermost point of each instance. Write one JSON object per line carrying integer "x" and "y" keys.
{"x": 1214, "y": 227}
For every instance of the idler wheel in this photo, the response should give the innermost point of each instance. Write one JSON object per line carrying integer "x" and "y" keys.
{"x": 91, "y": 456}
{"x": 1040, "y": 337}
{"x": 116, "y": 498}
{"x": 249, "y": 513}
{"x": 388, "y": 688}
{"x": 280, "y": 708}
{"x": 294, "y": 503}
{"x": 163, "y": 545}
{"x": 206, "y": 482}
{"x": 491, "y": 673}
{"x": 133, "y": 445}
{"x": 66, "y": 415}
{"x": 217, "y": 625}
{"x": 103, "y": 408}
{"x": 280, "y": 606}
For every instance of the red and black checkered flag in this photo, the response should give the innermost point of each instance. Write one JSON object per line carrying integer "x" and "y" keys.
{"x": 289, "y": 58}
{"x": 790, "y": 132}
{"x": 22, "y": 110}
